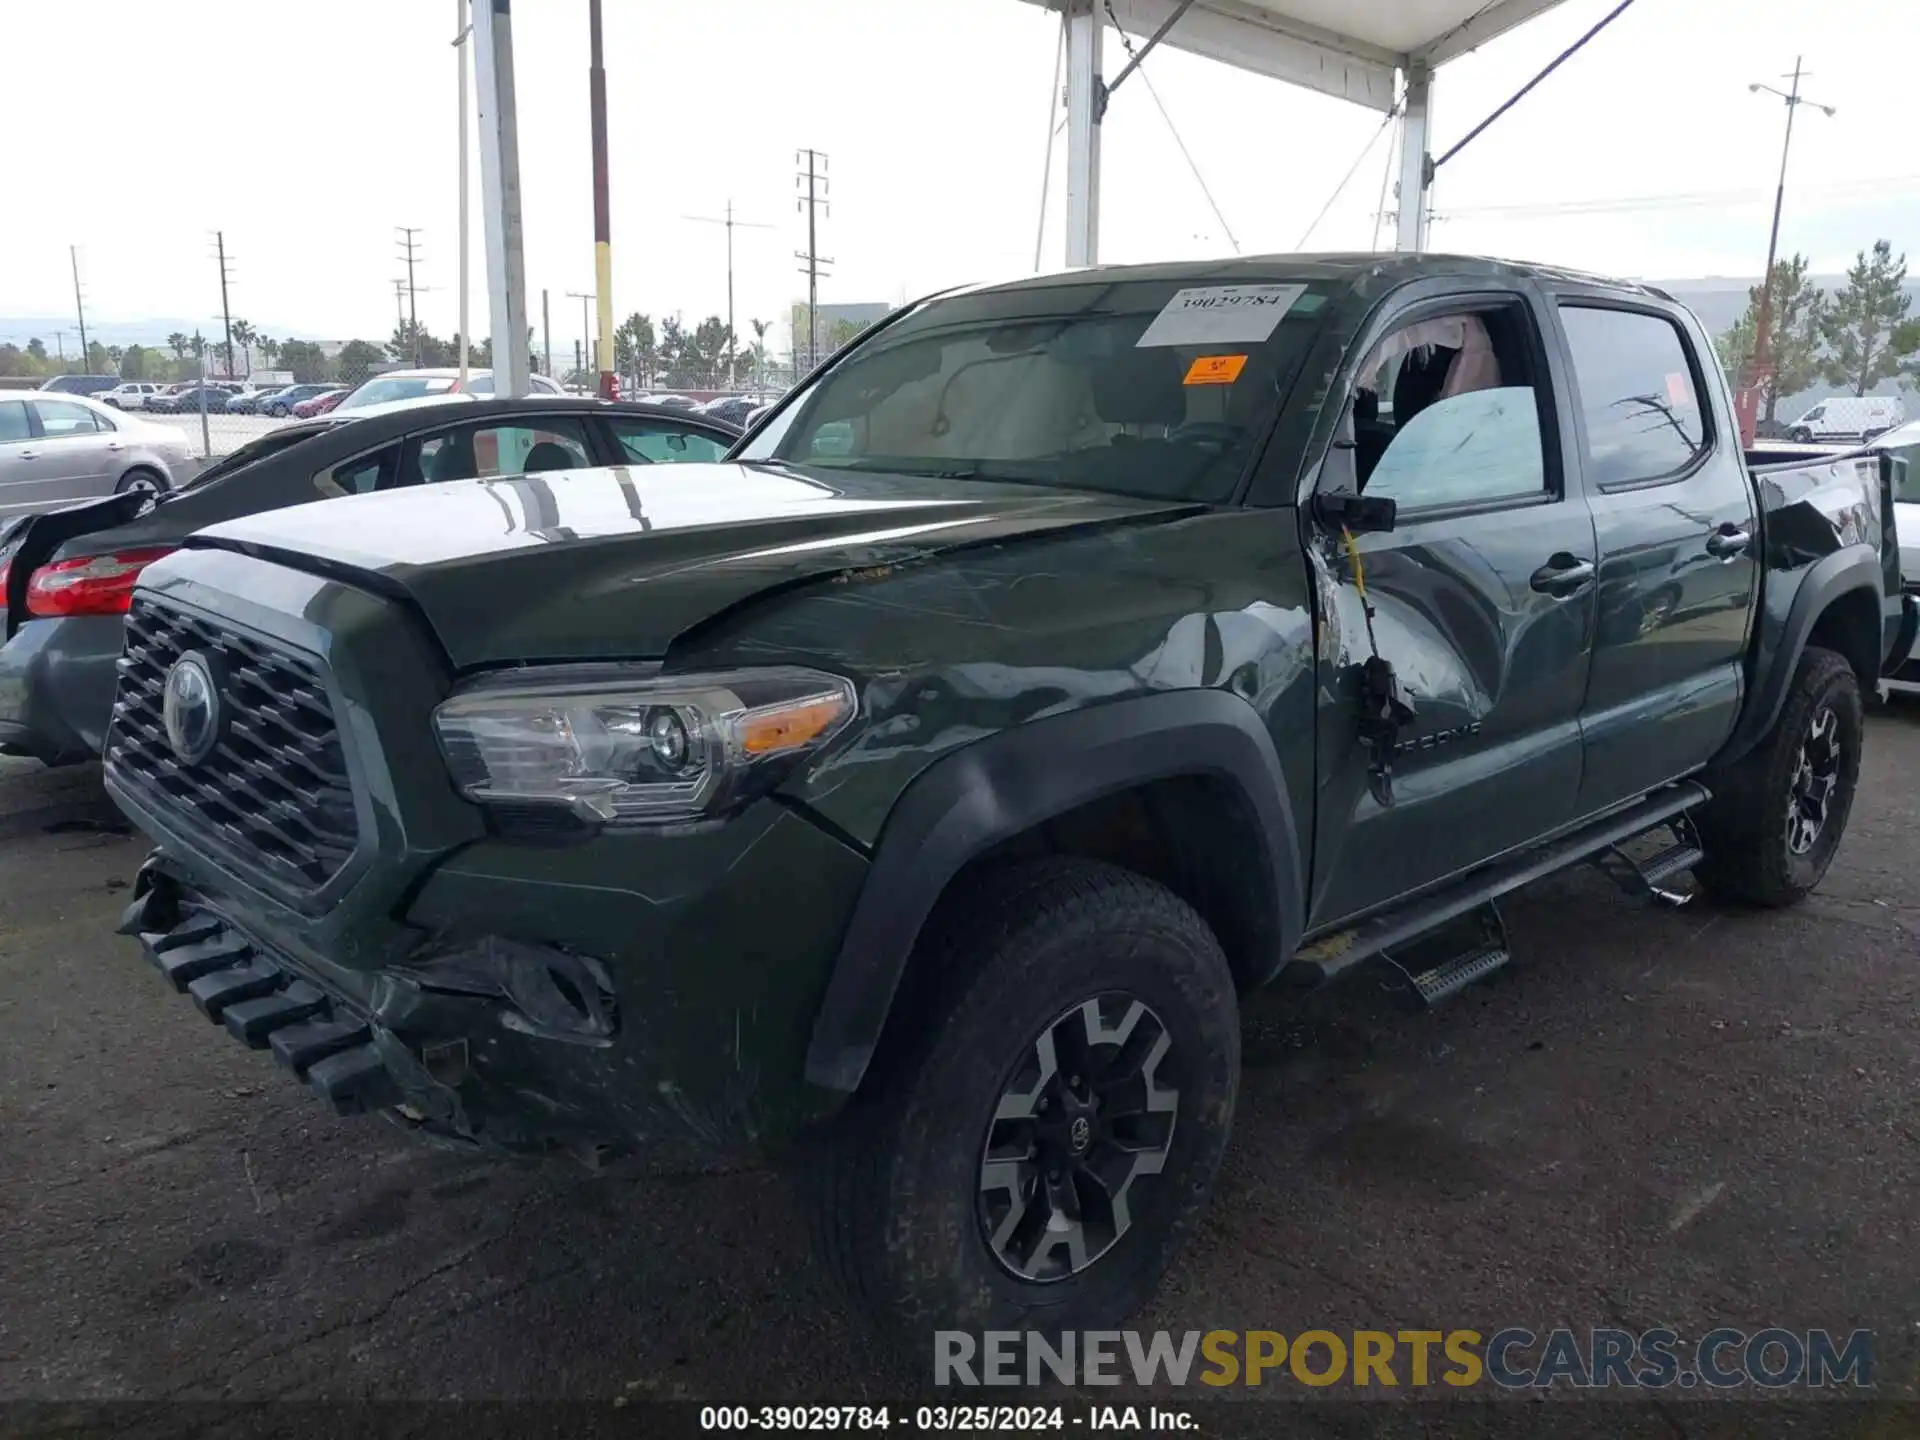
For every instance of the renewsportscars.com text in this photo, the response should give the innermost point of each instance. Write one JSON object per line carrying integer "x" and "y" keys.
{"x": 1512, "y": 1358}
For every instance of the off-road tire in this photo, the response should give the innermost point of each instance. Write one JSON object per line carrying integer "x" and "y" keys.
{"x": 1743, "y": 829}
{"x": 893, "y": 1183}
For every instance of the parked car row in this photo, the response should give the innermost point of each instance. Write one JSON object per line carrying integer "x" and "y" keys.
{"x": 66, "y": 575}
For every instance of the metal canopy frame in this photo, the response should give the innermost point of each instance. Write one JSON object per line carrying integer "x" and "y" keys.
{"x": 1374, "y": 53}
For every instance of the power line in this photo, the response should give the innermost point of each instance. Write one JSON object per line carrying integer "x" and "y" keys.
{"x": 407, "y": 248}
{"x": 1682, "y": 200}
{"x": 814, "y": 178}
{"x": 1133, "y": 64}
{"x": 226, "y": 311}
{"x": 80, "y": 307}
{"x": 730, "y": 223}
{"x": 1521, "y": 94}
{"x": 1352, "y": 170}
{"x": 585, "y": 298}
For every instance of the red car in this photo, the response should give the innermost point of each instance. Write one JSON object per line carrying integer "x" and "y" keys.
{"x": 320, "y": 404}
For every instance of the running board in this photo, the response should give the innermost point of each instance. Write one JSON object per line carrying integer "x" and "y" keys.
{"x": 1646, "y": 878}
{"x": 1445, "y": 961}
{"x": 1330, "y": 956}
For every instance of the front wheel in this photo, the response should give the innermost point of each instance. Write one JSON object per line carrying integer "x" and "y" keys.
{"x": 1042, "y": 1129}
{"x": 1779, "y": 812}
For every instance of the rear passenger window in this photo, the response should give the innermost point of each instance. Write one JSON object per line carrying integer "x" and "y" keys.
{"x": 361, "y": 476}
{"x": 1637, "y": 393}
{"x": 60, "y": 417}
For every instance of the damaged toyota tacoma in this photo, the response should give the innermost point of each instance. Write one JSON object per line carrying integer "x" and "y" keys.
{"x": 915, "y": 794}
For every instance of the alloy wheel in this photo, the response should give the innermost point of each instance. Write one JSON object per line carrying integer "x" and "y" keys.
{"x": 1087, "y": 1116}
{"x": 1816, "y": 776}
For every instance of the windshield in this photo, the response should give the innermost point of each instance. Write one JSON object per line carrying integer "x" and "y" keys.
{"x": 397, "y": 387}
{"x": 1154, "y": 388}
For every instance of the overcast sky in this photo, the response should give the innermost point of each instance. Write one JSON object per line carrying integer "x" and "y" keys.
{"x": 307, "y": 132}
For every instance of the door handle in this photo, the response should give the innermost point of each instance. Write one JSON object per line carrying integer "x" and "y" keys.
{"x": 1728, "y": 541}
{"x": 1563, "y": 575}
{"x": 115, "y": 445}
{"x": 25, "y": 454}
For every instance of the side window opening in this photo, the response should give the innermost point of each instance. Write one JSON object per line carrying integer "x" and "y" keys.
{"x": 1638, "y": 398}
{"x": 489, "y": 451}
{"x": 1446, "y": 412}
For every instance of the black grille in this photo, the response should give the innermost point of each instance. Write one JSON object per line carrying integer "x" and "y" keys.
{"x": 274, "y": 795}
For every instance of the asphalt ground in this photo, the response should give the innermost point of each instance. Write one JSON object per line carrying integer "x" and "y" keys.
{"x": 1693, "y": 1117}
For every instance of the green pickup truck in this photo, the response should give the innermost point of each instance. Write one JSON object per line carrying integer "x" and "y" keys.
{"x": 914, "y": 794}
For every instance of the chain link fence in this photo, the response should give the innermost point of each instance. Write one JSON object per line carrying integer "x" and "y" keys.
{"x": 219, "y": 415}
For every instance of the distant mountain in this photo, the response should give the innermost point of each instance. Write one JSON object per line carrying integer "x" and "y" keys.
{"x": 1720, "y": 302}
{"x": 18, "y": 329}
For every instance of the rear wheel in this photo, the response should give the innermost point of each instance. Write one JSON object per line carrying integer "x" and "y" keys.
{"x": 1043, "y": 1129}
{"x": 1778, "y": 814}
{"x": 1800, "y": 435}
{"x": 141, "y": 481}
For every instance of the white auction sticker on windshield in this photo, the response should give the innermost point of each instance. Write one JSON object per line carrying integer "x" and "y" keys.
{"x": 1221, "y": 315}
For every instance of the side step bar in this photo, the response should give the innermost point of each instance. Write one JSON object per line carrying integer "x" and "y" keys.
{"x": 1332, "y": 955}
{"x": 1444, "y": 961}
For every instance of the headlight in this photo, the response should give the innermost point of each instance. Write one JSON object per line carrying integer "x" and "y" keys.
{"x": 621, "y": 747}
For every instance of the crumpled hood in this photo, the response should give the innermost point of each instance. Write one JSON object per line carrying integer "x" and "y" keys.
{"x": 614, "y": 563}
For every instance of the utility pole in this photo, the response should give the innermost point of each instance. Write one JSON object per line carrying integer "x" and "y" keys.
{"x": 609, "y": 387}
{"x": 226, "y": 312}
{"x": 400, "y": 305}
{"x": 586, "y": 324}
{"x": 80, "y": 307}
{"x": 60, "y": 344}
{"x": 729, "y": 222}
{"x": 462, "y": 28}
{"x": 546, "y": 333}
{"x": 500, "y": 193}
{"x": 408, "y": 245}
{"x": 1760, "y": 370}
{"x": 814, "y": 180}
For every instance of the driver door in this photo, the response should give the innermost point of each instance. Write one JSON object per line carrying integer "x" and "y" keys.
{"x": 1482, "y": 599}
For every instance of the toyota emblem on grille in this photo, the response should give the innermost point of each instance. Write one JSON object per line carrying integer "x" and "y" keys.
{"x": 191, "y": 708}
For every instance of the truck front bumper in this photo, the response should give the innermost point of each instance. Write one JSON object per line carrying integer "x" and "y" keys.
{"x": 532, "y": 1013}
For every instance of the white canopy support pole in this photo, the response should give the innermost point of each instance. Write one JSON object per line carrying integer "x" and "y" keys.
{"x": 1416, "y": 165}
{"x": 500, "y": 194}
{"x": 1086, "y": 98}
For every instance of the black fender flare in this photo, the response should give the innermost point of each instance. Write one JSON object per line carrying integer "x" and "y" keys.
{"x": 998, "y": 787}
{"x": 1835, "y": 575}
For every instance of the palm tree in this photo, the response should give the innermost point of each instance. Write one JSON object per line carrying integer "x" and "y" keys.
{"x": 269, "y": 348}
{"x": 178, "y": 343}
{"x": 244, "y": 335}
{"x": 759, "y": 349}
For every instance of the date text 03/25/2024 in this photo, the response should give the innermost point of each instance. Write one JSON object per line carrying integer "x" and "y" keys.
{"x": 1015, "y": 1419}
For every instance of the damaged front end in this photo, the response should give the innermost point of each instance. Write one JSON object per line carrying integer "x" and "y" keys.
{"x": 449, "y": 1042}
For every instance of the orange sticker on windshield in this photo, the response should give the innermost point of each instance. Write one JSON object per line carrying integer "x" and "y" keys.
{"x": 1216, "y": 369}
